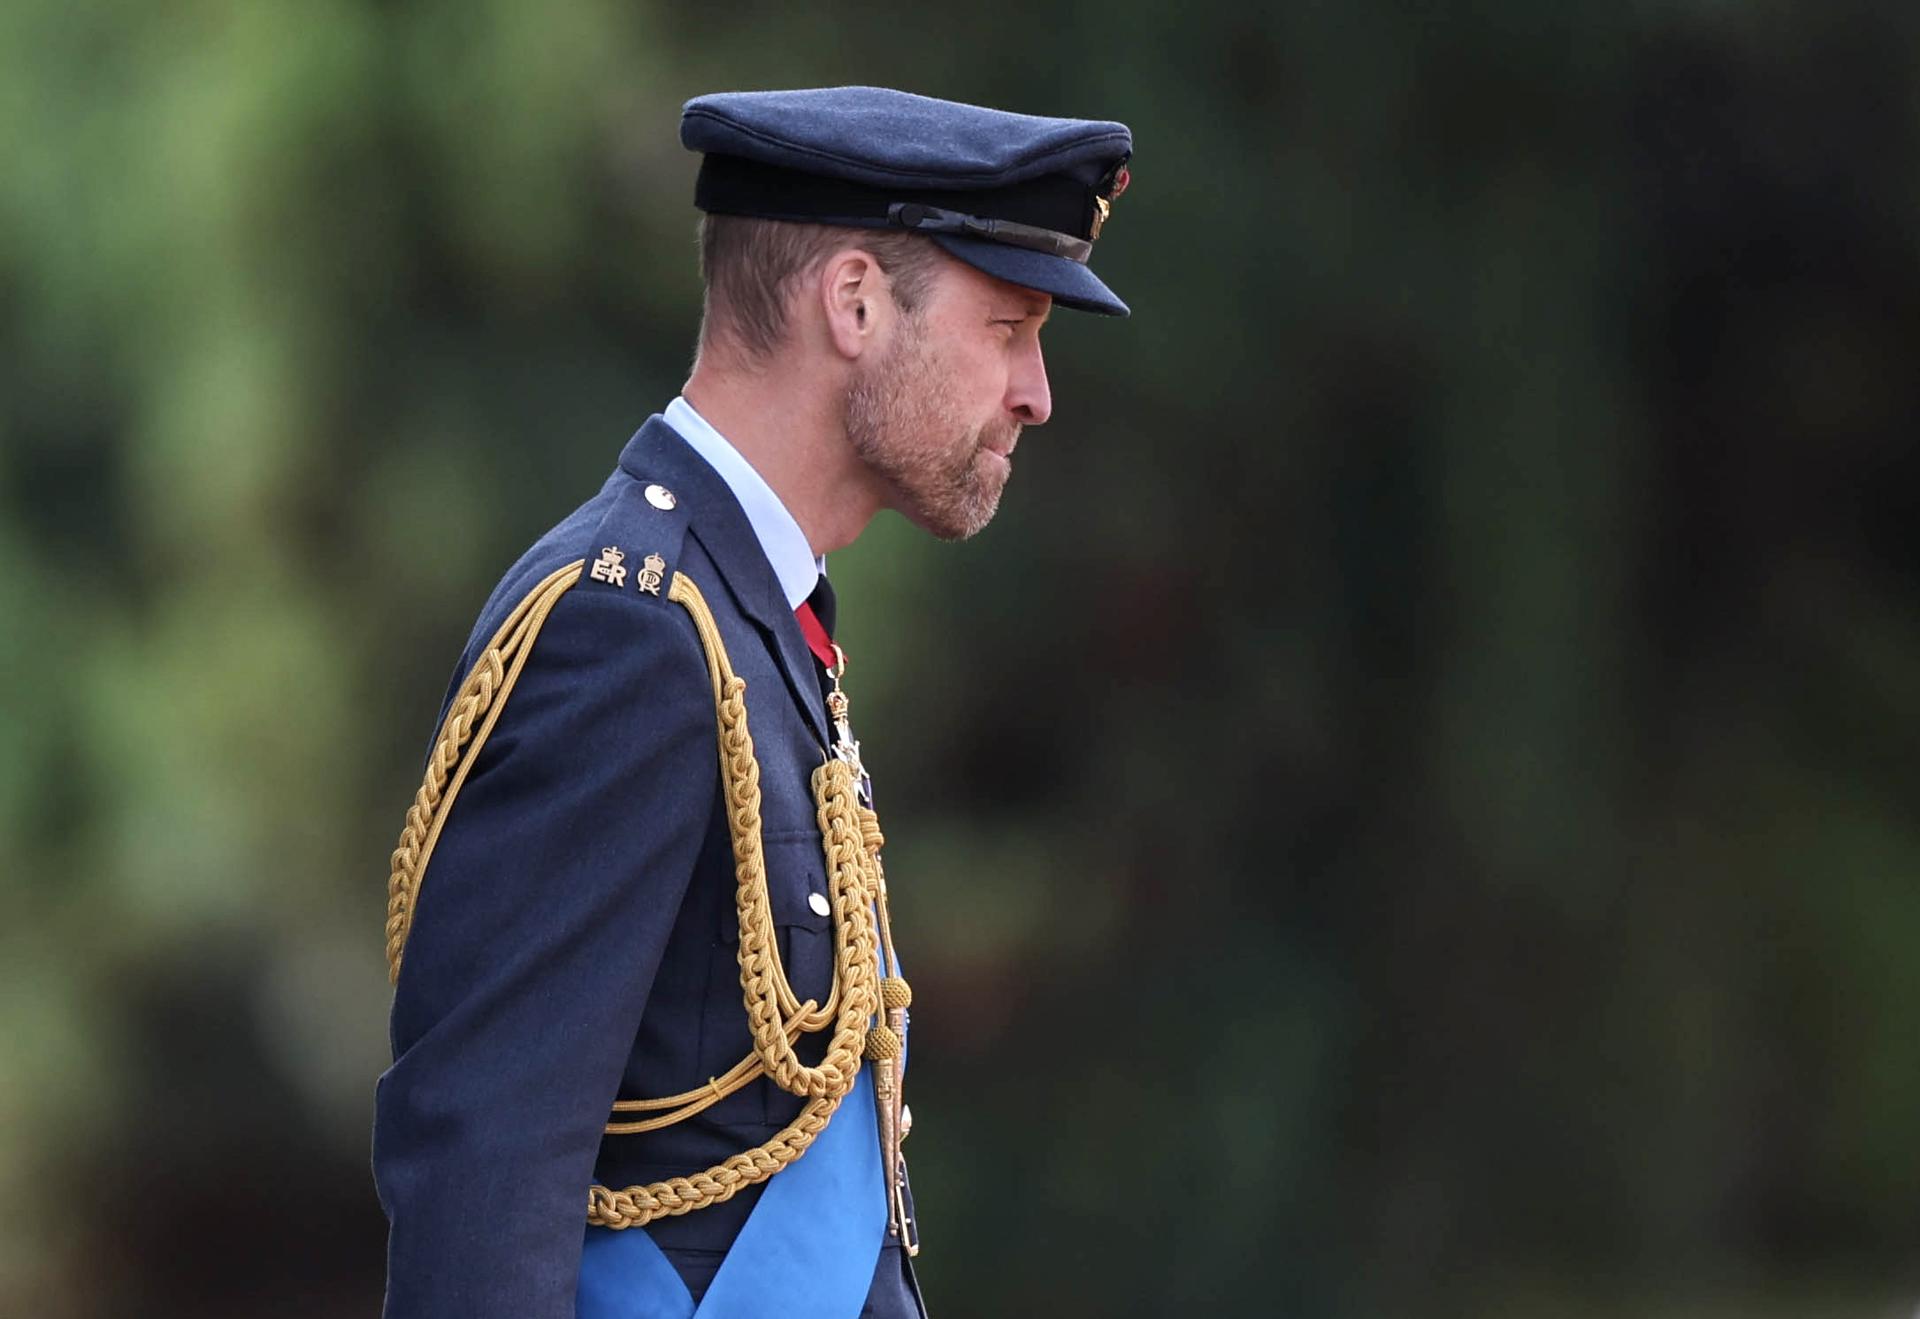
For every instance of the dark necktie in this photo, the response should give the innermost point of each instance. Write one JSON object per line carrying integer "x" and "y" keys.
{"x": 824, "y": 605}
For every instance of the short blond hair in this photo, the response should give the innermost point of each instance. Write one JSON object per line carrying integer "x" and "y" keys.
{"x": 751, "y": 265}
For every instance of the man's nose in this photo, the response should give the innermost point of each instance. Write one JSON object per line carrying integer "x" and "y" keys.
{"x": 1028, "y": 397}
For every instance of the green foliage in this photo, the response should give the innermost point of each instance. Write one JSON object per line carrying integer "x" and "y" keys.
{"x": 1409, "y": 811}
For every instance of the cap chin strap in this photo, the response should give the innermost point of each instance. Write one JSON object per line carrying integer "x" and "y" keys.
{"x": 932, "y": 219}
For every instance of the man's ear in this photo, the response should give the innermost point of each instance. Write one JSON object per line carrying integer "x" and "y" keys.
{"x": 856, "y": 301}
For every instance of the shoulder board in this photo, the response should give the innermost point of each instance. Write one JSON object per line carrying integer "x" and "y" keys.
{"x": 636, "y": 546}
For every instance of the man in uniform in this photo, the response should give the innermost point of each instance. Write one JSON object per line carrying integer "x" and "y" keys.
{"x": 648, "y": 1025}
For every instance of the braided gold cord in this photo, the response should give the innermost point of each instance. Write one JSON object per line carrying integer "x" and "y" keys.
{"x": 850, "y": 840}
{"x": 850, "y": 878}
{"x": 768, "y": 997}
{"x": 482, "y": 696}
{"x": 638, "y": 1205}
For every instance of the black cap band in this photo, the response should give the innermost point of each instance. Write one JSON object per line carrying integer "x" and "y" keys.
{"x": 1050, "y": 214}
{"x": 933, "y": 220}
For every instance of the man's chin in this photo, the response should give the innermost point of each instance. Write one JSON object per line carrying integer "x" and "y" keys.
{"x": 958, "y": 521}
{"x": 950, "y": 530}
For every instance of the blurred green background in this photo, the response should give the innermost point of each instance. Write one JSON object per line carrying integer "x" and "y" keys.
{"x": 1411, "y": 810}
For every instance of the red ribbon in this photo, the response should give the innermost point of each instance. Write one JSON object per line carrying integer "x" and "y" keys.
{"x": 817, "y": 639}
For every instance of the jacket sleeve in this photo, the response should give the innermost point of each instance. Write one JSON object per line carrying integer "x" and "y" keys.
{"x": 537, "y": 931}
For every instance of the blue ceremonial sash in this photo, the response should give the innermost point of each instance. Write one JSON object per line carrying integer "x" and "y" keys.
{"x": 807, "y": 1251}
{"x": 623, "y": 1275}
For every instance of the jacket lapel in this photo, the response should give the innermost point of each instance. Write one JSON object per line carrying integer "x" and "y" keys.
{"x": 657, "y": 453}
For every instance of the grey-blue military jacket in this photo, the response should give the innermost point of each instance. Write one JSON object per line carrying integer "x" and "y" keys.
{"x": 573, "y": 939}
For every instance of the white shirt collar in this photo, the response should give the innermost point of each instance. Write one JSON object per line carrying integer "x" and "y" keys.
{"x": 780, "y": 537}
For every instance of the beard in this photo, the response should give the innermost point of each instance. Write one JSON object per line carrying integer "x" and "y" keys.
{"x": 906, "y": 425}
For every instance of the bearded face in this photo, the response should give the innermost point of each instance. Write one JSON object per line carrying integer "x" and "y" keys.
{"x": 909, "y": 423}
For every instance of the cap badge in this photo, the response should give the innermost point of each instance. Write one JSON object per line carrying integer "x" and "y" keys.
{"x": 653, "y": 569}
{"x": 1103, "y": 206}
{"x": 607, "y": 568}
